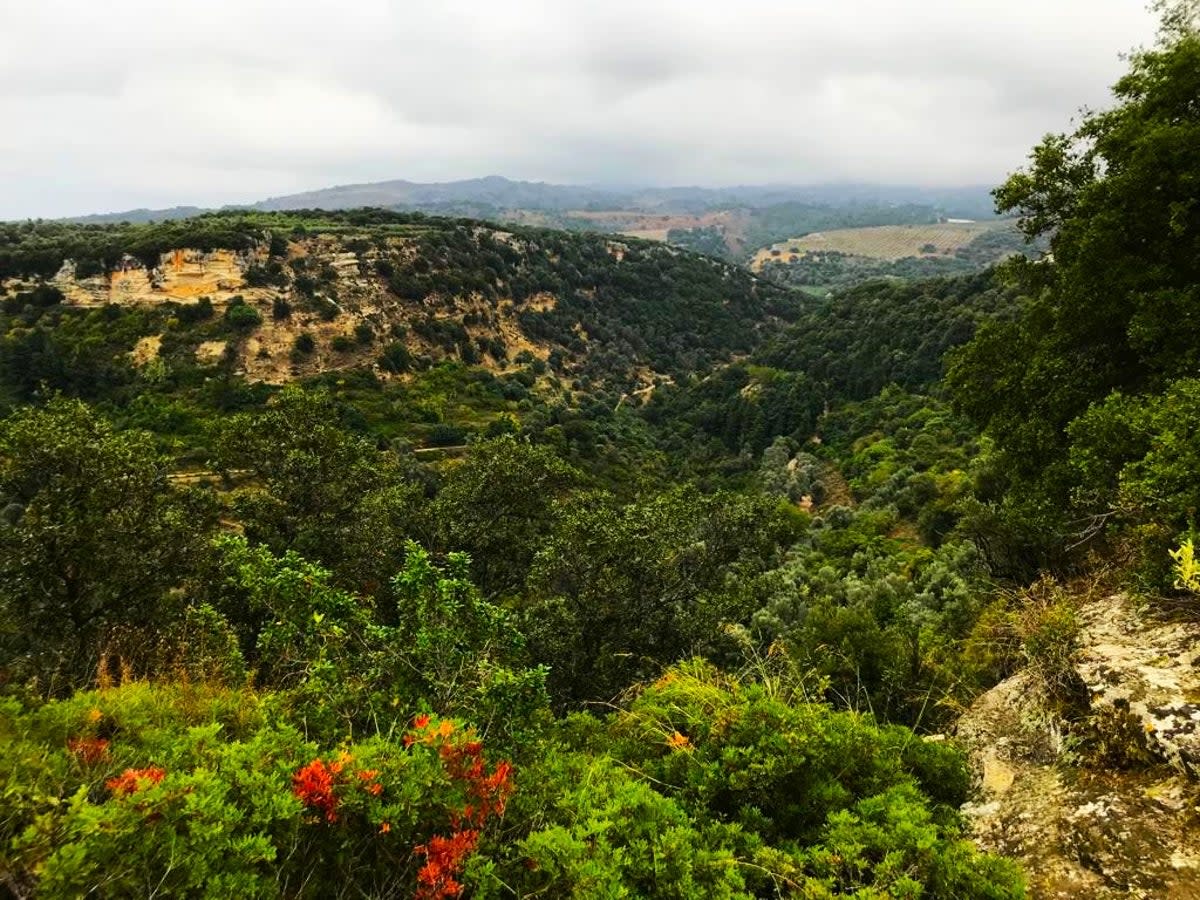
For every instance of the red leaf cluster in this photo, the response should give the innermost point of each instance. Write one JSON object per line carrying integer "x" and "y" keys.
{"x": 487, "y": 794}
{"x": 313, "y": 786}
{"x": 88, "y": 751}
{"x": 445, "y": 856}
{"x": 133, "y": 780}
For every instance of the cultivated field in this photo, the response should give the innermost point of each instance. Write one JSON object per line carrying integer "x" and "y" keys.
{"x": 885, "y": 242}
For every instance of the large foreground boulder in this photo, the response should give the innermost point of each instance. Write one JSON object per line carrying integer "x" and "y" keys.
{"x": 1104, "y": 805}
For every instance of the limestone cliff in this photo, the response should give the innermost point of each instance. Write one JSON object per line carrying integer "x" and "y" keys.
{"x": 349, "y": 284}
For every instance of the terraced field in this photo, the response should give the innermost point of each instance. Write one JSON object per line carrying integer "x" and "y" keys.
{"x": 883, "y": 242}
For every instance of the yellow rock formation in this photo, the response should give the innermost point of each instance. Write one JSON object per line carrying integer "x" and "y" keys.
{"x": 182, "y": 275}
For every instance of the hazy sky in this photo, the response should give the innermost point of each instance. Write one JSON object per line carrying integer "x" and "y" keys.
{"x": 114, "y": 104}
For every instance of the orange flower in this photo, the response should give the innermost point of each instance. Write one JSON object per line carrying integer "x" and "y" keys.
{"x": 445, "y": 856}
{"x": 421, "y": 721}
{"x": 88, "y": 750}
{"x": 372, "y": 787}
{"x": 385, "y": 827}
{"x": 343, "y": 758}
{"x": 497, "y": 788}
{"x": 133, "y": 780}
{"x": 313, "y": 786}
{"x": 679, "y": 741}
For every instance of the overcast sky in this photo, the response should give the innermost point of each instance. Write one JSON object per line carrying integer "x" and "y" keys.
{"x": 113, "y": 104}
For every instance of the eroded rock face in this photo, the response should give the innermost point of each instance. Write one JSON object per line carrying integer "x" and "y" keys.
{"x": 351, "y": 284}
{"x": 1153, "y": 669}
{"x": 1080, "y": 829}
{"x": 182, "y": 276}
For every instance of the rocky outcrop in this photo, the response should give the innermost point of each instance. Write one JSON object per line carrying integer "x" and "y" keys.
{"x": 1055, "y": 798}
{"x": 182, "y": 276}
{"x": 1152, "y": 670}
{"x": 349, "y": 281}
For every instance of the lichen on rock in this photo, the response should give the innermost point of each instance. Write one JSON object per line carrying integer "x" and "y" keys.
{"x": 1105, "y": 806}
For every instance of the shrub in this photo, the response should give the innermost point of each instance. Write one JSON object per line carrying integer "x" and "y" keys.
{"x": 1049, "y": 631}
{"x": 242, "y": 316}
{"x": 199, "y": 311}
{"x": 1186, "y": 569}
{"x": 305, "y": 285}
{"x": 1036, "y": 627}
{"x": 444, "y": 435}
{"x": 328, "y": 309}
{"x": 199, "y": 791}
{"x": 395, "y": 358}
{"x": 272, "y": 274}
{"x": 304, "y": 344}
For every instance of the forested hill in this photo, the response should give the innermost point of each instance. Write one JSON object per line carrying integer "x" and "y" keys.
{"x": 527, "y": 568}
{"x": 499, "y": 195}
{"x": 466, "y": 602}
{"x": 732, "y": 223}
{"x": 859, "y": 341}
{"x": 278, "y": 296}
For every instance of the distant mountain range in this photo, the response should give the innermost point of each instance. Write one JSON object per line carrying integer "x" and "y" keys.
{"x": 493, "y": 196}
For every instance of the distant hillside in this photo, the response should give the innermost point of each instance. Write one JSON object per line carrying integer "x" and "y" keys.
{"x": 504, "y": 193}
{"x": 888, "y": 242}
{"x": 492, "y": 191}
{"x": 140, "y": 216}
{"x": 278, "y": 296}
{"x": 730, "y": 222}
{"x": 823, "y": 260}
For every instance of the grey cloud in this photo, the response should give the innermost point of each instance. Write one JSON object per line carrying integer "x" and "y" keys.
{"x": 131, "y": 102}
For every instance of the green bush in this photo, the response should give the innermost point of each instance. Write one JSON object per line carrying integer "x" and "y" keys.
{"x": 304, "y": 344}
{"x": 193, "y": 791}
{"x": 444, "y": 435}
{"x": 242, "y": 317}
{"x": 395, "y": 358}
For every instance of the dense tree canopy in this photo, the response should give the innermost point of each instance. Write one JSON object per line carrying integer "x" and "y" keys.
{"x": 93, "y": 537}
{"x": 314, "y": 487}
{"x": 1115, "y": 308}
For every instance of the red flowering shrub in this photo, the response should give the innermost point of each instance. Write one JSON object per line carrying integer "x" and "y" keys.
{"x": 445, "y": 857}
{"x": 88, "y": 751}
{"x": 218, "y": 794}
{"x": 486, "y": 795}
{"x": 313, "y": 786}
{"x": 133, "y": 780}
